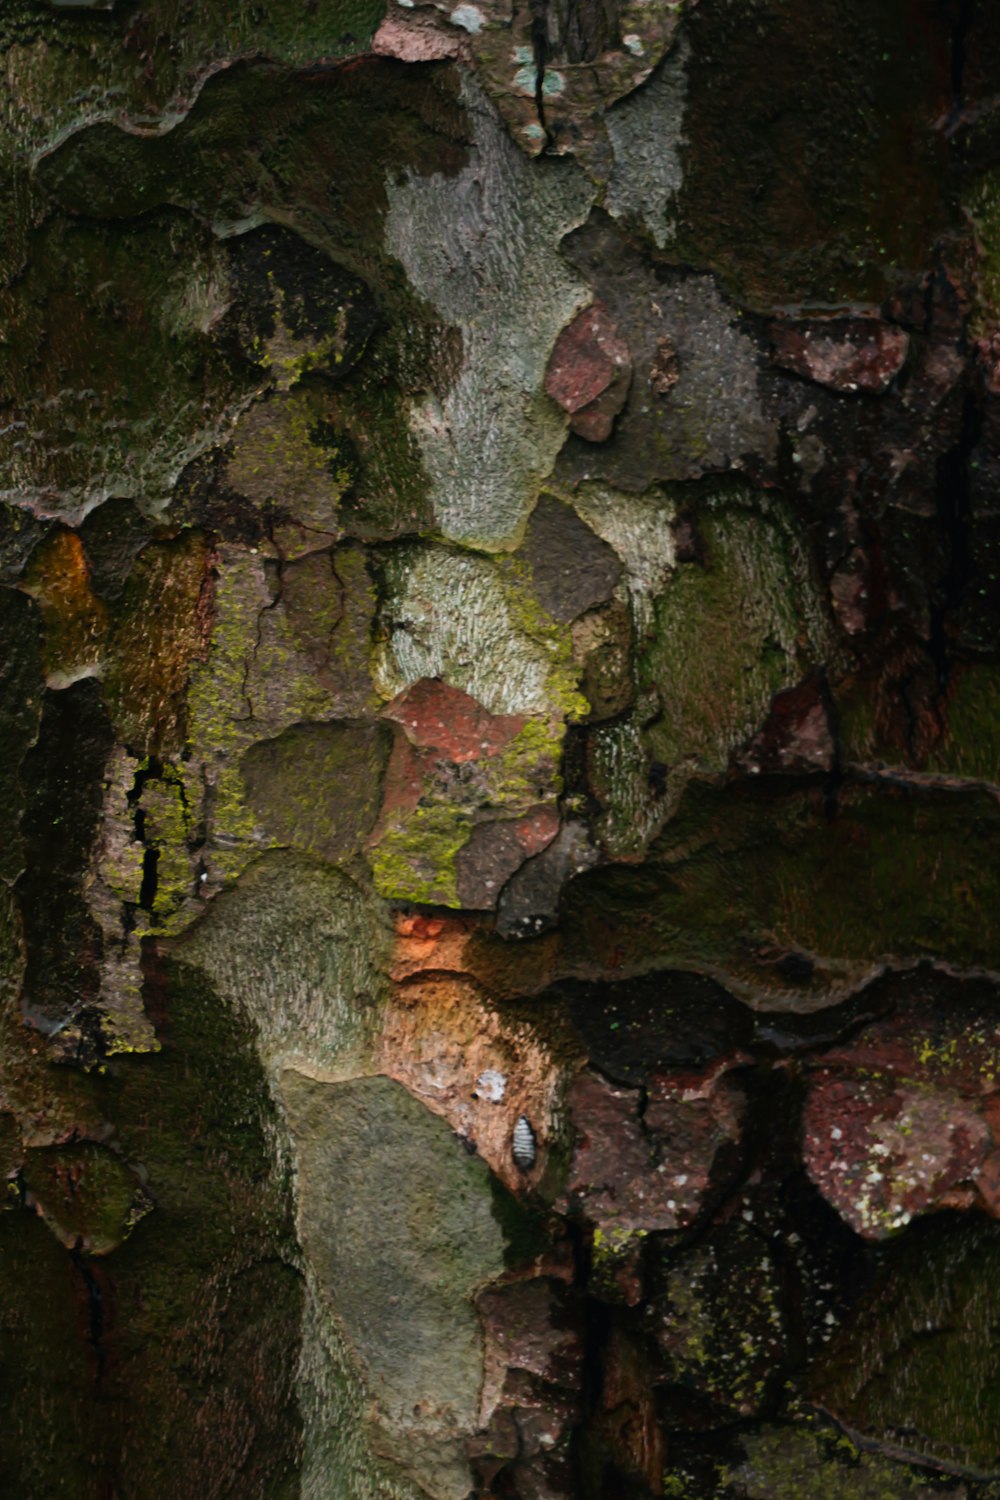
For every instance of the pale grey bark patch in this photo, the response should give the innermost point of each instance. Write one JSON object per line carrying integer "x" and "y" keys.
{"x": 481, "y": 246}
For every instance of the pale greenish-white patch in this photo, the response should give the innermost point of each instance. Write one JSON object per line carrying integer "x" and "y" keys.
{"x": 298, "y": 948}
{"x": 458, "y": 617}
{"x": 646, "y": 130}
{"x": 469, "y": 17}
{"x": 397, "y": 1223}
{"x": 639, "y": 529}
{"x": 482, "y": 247}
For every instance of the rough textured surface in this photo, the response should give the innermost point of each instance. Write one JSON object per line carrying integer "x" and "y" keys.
{"x": 499, "y": 749}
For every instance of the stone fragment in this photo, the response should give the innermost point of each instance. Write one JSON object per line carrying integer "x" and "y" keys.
{"x": 532, "y": 1326}
{"x": 462, "y": 782}
{"x": 496, "y": 850}
{"x": 436, "y": 716}
{"x": 797, "y": 736}
{"x": 128, "y": 349}
{"x": 482, "y": 245}
{"x": 905, "y": 1118}
{"x": 572, "y": 569}
{"x": 74, "y": 620}
{"x": 882, "y": 1152}
{"x": 713, "y": 417}
{"x": 295, "y": 310}
{"x": 472, "y": 621}
{"x": 20, "y": 712}
{"x": 530, "y": 901}
{"x": 589, "y": 372}
{"x": 413, "y": 38}
{"x": 856, "y": 355}
{"x": 652, "y": 1171}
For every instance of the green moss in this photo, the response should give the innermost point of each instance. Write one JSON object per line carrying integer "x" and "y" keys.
{"x": 787, "y": 1463}
{"x": 728, "y": 634}
{"x": 735, "y": 882}
{"x": 415, "y": 861}
{"x": 88, "y": 1197}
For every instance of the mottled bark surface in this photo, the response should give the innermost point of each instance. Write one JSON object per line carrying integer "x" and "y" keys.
{"x": 499, "y": 895}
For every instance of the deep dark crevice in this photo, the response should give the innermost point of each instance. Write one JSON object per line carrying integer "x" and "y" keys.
{"x": 95, "y": 1308}
{"x": 540, "y": 47}
{"x": 147, "y": 890}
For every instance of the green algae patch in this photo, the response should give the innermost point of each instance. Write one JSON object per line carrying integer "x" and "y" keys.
{"x": 415, "y": 860}
{"x": 437, "y": 799}
{"x": 729, "y": 633}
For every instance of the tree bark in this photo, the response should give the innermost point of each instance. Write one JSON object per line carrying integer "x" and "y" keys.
{"x": 501, "y": 744}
